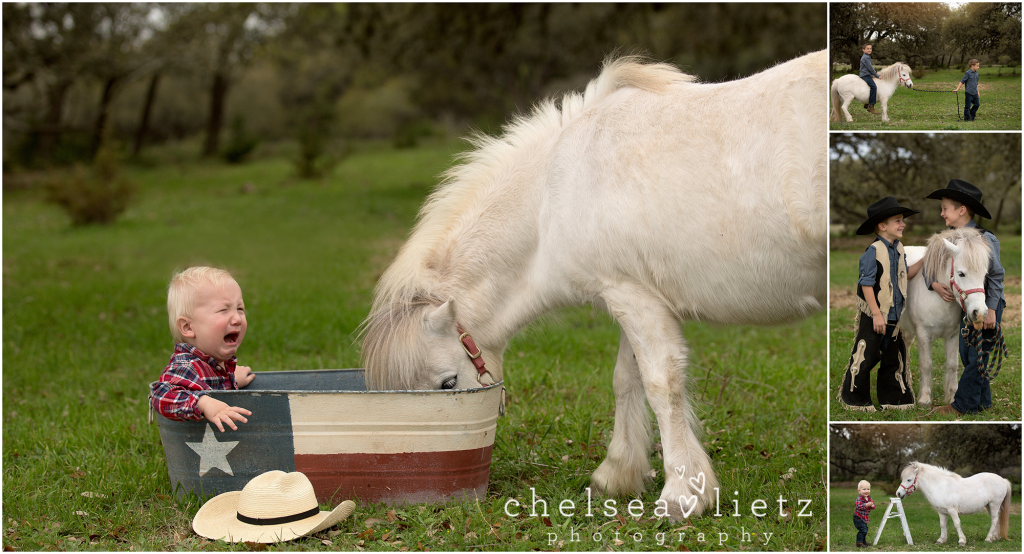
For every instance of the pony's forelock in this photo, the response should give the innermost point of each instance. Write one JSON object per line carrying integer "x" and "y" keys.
{"x": 974, "y": 252}
{"x": 390, "y": 338}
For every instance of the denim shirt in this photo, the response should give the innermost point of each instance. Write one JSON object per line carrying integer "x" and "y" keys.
{"x": 869, "y": 270}
{"x": 866, "y": 69}
{"x": 970, "y": 81}
{"x": 994, "y": 277}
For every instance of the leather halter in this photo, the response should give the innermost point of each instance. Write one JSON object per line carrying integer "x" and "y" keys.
{"x": 961, "y": 293}
{"x": 473, "y": 351}
{"x": 912, "y": 487}
{"x": 476, "y": 356}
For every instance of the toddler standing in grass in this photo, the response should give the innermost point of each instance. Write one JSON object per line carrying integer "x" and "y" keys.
{"x": 207, "y": 319}
{"x": 862, "y": 512}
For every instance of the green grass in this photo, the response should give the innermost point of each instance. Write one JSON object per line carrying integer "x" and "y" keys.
{"x": 1006, "y": 395}
{"x": 911, "y": 109}
{"x": 85, "y": 332}
{"x": 923, "y": 522}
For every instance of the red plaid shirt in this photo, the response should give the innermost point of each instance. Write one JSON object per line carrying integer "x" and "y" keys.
{"x": 188, "y": 376}
{"x": 860, "y": 509}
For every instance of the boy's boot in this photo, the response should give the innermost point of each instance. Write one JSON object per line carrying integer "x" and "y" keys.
{"x": 856, "y": 391}
{"x": 870, "y": 108}
{"x": 895, "y": 387}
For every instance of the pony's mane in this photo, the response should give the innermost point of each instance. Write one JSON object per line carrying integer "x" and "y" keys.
{"x": 419, "y": 275}
{"x": 893, "y": 71}
{"x": 929, "y": 467}
{"x": 974, "y": 251}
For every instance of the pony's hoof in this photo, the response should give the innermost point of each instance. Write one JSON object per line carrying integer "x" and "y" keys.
{"x": 963, "y": 543}
{"x": 689, "y": 498}
{"x": 940, "y": 541}
{"x": 925, "y": 403}
{"x": 611, "y": 480}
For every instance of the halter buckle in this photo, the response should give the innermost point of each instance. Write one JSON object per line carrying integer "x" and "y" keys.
{"x": 465, "y": 346}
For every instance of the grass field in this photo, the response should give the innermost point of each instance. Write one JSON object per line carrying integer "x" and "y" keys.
{"x": 912, "y": 109}
{"x": 1006, "y": 388}
{"x": 923, "y": 522}
{"x": 85, "y": 331}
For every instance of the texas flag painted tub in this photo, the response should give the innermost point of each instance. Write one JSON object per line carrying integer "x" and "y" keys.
{"x": 397, "y": 447}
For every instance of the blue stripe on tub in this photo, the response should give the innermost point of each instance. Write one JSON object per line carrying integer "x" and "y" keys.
{"x": 202, "y": 459}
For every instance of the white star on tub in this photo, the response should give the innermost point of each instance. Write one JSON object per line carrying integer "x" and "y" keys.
{"x": 212, "y": 453}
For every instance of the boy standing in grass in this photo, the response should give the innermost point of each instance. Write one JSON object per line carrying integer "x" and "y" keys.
{"x": 207, "y": 319}
{"x": 868, "y": 73}
{"x": 972, "y": 100}
{"x": 862, "y": 512}
{"x": 881, "y": 290}
{"x": 960, "y": 201}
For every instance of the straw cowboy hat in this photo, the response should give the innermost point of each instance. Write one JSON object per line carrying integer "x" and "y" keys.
{"x": 273, "y": 507}
{"x": 964, "y": 193}
{"x": 880, "y": 211}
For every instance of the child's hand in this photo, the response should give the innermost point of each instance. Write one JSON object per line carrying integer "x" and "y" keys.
{"x": 218, "y": 413}
{"x": 943, "y": 291}
{"x": 990, "y": 319}
{"x": 878, "y": 324}
{"x": 870, "y": 504}
{"x": 243, "y": 376}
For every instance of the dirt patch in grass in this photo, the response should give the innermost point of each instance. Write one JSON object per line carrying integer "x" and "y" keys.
{"x": 839, "y": 298}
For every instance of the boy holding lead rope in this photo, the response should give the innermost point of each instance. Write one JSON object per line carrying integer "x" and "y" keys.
{"x": 960, "y": 201}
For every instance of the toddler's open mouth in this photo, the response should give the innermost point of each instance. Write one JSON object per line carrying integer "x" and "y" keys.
{"x": 231, "y": 338}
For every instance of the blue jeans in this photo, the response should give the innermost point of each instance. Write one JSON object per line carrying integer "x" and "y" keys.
{"x": 970, "y": 112}
{"x": 974, "y": 393}
{"x": 871, "y": 84}
{"x": 862, "y": 530}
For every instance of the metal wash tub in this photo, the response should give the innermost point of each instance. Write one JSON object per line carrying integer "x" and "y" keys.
{"x": 396, "y": 447}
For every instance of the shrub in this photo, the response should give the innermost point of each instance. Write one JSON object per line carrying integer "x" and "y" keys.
{"x": 96, "y": 196}
{"x": 241, "y": 143}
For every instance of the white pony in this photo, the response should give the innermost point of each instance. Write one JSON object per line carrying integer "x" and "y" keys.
{"x": 952, "y": 495}
{"x": 851, "y": 87}
{"x": 650, "y": 196}
{"x": 958, "y": 258}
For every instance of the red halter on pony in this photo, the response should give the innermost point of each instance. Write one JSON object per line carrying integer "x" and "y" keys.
{"x": 912, "y": 487}
{"x": 961, "y": 293}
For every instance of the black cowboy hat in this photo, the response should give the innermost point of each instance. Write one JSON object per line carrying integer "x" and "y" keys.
{"x": 964, "y": 193}
{"x": 880, "y": 211}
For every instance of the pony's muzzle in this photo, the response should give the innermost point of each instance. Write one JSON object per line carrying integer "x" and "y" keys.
{"x": 978, "y": 318}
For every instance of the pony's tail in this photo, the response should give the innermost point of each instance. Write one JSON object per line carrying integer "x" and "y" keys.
{"x": 1004, "y": 512}
{"x": 836, "y": 101}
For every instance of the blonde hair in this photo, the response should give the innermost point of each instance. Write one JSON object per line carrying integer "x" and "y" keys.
{"x": 181, "y": 293}
{"x": 862, "y": 483}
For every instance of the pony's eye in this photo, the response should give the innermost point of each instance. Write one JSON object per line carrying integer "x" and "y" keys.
{"x": 449, "y": 383}
{"x": 961, "y": 273}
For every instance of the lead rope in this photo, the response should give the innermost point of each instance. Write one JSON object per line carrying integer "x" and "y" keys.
{"x": 974, "y": 338}
{"x": 958, "y": 118}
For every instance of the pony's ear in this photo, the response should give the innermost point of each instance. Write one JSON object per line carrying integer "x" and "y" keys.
{"x": 953, "y": 249}
{"x": 440, "y": 319}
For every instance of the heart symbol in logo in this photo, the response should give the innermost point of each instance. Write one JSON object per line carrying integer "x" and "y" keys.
{"x": 680, "y": 471}
{"x": 691, "y": 501}
{"x": 698, "y": 479}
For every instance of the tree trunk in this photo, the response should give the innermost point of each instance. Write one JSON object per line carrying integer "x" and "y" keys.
{"x": 147, "y": 108}
{"x": 217, "y": 96}
{"x": 50, "y": 131}
{"x": 104, "y": 111}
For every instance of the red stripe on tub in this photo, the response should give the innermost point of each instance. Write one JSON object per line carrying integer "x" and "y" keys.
{"x": 405, "y": 478}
